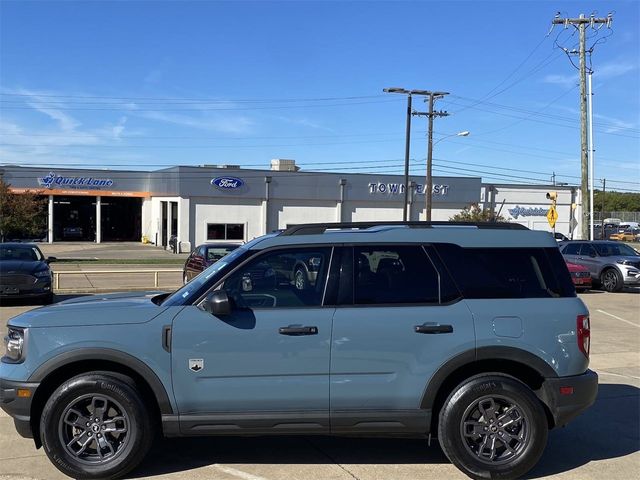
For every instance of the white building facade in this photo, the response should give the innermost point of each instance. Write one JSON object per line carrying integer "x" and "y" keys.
{"x": 213, "y": 204}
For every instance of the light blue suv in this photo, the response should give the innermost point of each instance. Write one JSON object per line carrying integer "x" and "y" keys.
{"x": 468, "y": 332}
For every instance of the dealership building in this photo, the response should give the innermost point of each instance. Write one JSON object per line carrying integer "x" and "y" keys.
{"x": 210, "y": 203}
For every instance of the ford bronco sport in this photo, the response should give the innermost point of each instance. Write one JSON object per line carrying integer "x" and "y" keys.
{"x": 468, "y": 332}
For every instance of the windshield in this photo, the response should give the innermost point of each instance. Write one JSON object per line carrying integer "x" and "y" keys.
{"x": 615, "y": 249}
{"x": 20, "y": 252}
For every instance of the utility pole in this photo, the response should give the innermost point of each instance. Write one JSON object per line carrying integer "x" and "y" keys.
{"x": 407, "y": 145}
{"x": 581, "y": 24}
{"x": 428, "y": 188}
{"x": 604, "y": 189}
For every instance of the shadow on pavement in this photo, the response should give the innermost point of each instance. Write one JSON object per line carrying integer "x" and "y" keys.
{"x": 609, "y": 429}
{"x": 177, "y": 455}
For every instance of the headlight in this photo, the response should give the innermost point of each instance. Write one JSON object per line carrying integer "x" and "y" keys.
{"x": 14, "y": 344}
{"x": 42, "y": 273}
{"x": 623, "y": 262}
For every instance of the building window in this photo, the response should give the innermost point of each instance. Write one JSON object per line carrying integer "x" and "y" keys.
{"x": 225, "y": 231}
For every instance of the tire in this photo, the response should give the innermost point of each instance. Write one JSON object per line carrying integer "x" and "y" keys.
{"x": 47, "y": 299}
{"x": 300, "y": 279}
{"x": 88, "y": 407}
{"x": 466, "y": 412}
{"x": 611, "y": 280}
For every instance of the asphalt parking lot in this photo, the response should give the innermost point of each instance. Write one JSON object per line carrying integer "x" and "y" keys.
{"x": 602, "y": 443}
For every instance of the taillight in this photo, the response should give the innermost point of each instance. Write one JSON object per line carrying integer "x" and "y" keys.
{"x": 584, "y": 334}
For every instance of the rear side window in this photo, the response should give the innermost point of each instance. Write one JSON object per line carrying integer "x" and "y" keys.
{"x": 394, "y": 275}
{"x": 571, "y": 249}
{"x": 507, "y": 272}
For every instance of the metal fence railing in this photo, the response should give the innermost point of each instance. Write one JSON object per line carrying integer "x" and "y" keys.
{"x": 141, "y": 276}
{"x": 624, "y": 216}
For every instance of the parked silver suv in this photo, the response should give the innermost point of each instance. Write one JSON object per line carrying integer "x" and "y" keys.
{"x": 612, "y": 264}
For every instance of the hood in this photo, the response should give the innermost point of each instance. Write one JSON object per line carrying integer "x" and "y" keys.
{"x": 22, "y": 266}
{"x": 103, "y": 309}
{"x": 630, "y": 260}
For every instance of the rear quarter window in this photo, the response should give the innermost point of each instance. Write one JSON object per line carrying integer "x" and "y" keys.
{"x": 507, "y": 272}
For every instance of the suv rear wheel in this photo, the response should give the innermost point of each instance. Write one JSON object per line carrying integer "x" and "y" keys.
{"x": 95, "y": 426}
{"x": 493, "y": 426}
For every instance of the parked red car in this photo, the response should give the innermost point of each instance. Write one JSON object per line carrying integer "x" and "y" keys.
{"x": 203, "y": 256}
{"x": 581, "y": 277}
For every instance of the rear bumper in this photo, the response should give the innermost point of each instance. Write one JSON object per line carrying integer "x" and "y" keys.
{"x": 564, "y": 407}
{"x": 17, "y": 406}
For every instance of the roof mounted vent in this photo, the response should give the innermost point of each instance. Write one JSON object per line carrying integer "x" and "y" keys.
{"x": 284, "y": 165}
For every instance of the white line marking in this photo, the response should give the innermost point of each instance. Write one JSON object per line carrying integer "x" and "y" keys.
{"x": 603, "y": 372}
{"x": 618, "y": 318}
{"x": 237, "y": 473}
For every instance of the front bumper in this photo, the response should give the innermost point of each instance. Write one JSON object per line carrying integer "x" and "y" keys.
{"x": 564, "y": 407}
{"x": 41, "y": 288}
{"x": 19, "y": 407}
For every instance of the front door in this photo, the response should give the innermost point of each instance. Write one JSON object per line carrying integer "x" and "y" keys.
{"x": 265, "y": 366}
{"x": 401, "y": 323}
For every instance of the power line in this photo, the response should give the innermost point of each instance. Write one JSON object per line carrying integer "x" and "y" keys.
{"x": 191, "y": 100}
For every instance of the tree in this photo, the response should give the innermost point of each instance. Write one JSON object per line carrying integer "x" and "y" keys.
{"x": 616, "y": 201}
{"x": 473, "y": 213}
{"x": 21, "y": 216}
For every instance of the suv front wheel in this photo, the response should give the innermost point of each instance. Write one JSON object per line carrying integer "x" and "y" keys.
{"x": 493, "y": 426}
{"x": 95, "y": 426}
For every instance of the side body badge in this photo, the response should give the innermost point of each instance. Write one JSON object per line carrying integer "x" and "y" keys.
{"x": 196, "y": 364}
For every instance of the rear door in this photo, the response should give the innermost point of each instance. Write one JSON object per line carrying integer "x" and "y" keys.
{"x": 397, "y": 321}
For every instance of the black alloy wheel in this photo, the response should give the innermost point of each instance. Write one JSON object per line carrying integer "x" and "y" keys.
{"x": 495, "y": 429}
{"x": 492, "y": 426}
{"x": 96, "y": 426}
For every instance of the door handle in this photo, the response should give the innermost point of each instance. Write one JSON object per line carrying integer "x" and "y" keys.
{"x": 432, "y": 328}
{"x": 295, "y": 331}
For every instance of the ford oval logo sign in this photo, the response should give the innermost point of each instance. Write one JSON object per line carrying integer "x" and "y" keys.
{"x": 227, "y": 183}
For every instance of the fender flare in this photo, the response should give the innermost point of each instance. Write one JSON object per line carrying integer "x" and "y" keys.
{"x": 107, "y": 354}
{"x": 483, "y": 353}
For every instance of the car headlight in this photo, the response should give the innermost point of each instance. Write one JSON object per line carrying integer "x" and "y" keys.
{"x": 14, "y": 345}
{"x": 42, "y": 273}
{"x": 623, "y": 262}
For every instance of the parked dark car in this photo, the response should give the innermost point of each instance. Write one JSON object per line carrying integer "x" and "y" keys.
{"x": 580, "y": 276}
{"x": 203, "y": 256}
{"x": 24, "y": 272}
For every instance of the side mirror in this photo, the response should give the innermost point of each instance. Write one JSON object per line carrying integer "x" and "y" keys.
{"x": 51, "y": 259}
{"x": 217, "y": 303}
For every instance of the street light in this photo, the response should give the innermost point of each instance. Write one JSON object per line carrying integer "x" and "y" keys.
{"x": 464, "y": 133}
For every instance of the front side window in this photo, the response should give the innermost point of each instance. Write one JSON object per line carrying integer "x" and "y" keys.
{"x": 394, "y": 275}
{"x": 281, "y": 279}
{"x": 225, "y": 231}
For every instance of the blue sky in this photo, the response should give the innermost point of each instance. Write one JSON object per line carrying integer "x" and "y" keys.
{"x": 146, "y": 84}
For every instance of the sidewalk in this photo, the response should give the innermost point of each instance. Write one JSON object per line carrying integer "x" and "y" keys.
{"x": 107, "y": 251}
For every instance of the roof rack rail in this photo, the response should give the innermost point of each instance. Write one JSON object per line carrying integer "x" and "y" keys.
{"x": 319, "y": 228}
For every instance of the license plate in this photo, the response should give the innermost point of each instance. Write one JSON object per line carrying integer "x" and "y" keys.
{"x": 11, "y": 290}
